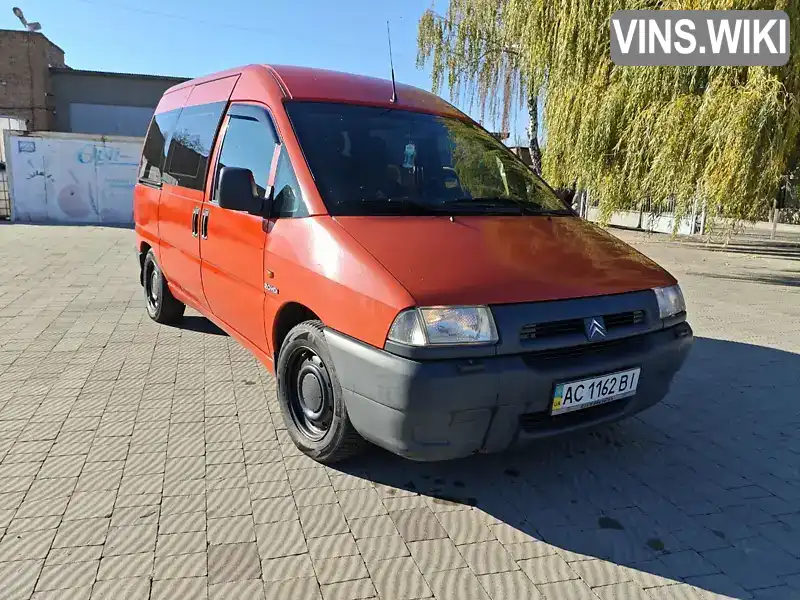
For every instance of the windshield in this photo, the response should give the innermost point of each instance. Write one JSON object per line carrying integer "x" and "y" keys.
{"x": 379, "y": 161}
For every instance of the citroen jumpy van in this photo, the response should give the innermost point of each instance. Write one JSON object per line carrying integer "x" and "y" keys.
{"x": 406, "y": 278}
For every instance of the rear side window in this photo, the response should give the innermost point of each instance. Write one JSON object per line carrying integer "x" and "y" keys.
{"x": 155, "y": 146}
{"x": 191, "y": 143}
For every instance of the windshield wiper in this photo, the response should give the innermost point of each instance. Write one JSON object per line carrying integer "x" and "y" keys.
{"x": 503, "y": 203}
{"x": 479, "y": 206}
{"x": 551, "y": 211}
{"x": 395, "y": 206}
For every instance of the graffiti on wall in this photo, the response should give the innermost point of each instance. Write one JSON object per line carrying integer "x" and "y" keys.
{"x": 72, "y": 180}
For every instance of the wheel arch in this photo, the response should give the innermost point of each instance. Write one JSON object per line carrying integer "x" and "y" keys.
{"x": 288, "y": 316}
{"x": 144, "y": 248}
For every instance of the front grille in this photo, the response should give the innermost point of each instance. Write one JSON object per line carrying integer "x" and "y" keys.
{"x": 634, "y": 343}
{"x": 538, "y": 331}
{"x": 543, "y": 421}
{"x": 624, "y": 319}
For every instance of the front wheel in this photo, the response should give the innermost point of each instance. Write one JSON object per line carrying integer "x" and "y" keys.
{"x": 310, "y": 396}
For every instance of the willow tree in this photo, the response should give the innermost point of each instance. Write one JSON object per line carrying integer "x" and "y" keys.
{"x": 725, "y": 137}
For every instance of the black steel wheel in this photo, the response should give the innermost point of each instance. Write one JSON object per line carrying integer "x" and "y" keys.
{"x": 310, "y": 393}
{"x": 151, "y": 287}
{"x": 161, "y": 305}
{"x": 311, "y": 397}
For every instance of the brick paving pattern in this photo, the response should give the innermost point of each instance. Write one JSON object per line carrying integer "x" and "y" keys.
{"x": 140, "y": 461}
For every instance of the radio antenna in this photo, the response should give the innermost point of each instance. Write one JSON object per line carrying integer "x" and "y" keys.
{"x": 391, "y": 63}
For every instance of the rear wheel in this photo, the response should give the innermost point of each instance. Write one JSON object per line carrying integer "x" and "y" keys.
{"x": 310, "y": 396}
{"x": 161, "y": 304}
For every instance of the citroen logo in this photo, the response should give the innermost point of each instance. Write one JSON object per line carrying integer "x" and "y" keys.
{"x": 595, "y": 329}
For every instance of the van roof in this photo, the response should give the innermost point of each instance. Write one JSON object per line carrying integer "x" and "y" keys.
{"x": 306, "y": 83}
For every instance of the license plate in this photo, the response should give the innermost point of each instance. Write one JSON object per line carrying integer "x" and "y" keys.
{"x": 577, "y": 395}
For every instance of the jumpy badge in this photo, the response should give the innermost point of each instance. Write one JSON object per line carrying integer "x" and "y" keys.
{"x": 410, "y": 156}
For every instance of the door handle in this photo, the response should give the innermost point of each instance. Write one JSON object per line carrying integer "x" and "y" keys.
{"x": 195, "y": 218}
{"x": 204, "y": 225}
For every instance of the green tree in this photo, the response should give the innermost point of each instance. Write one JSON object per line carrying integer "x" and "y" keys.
{"x": 723, "y": 136}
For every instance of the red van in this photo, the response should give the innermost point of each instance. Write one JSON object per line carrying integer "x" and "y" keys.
{"x": 406, "y": 277}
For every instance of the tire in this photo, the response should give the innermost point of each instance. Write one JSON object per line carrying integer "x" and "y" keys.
{"x": 308, "y": 385}
{"x": 161, "y": 304}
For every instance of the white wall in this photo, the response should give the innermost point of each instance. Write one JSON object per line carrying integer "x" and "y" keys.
{"x": 650, "y": 221}
{"x": 72, "y": 178}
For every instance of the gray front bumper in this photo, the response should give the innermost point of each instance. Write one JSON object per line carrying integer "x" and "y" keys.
{"x": 444, "y": 409}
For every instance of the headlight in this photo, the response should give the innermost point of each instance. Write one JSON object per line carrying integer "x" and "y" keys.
{"x": 443, "y": 325}
{"x": 670, "y": 301}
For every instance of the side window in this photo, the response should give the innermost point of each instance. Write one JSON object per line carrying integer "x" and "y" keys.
{"x": 155, "y": 146}
{"x": 248, "y": 144}
{"x": 288, "y": 197}
{"x": 190, "y": 145}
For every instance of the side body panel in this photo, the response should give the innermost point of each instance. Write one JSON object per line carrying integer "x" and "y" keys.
{"x": 180, "y": 247}
{"x": 317, "y": 264}
{"x": 178, "y": 220}
{"x": 145, "y": 217}
{"x": 233, "y": 271}
{"x": 264, "y": 357}
{"x": 232, "y": 250}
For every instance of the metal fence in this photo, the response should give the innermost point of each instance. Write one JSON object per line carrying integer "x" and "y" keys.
{"x": 5, "y": 197}
{"x": 6, "y": 124}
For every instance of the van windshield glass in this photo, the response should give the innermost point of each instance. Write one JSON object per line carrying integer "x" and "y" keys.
{"x": 379, "y": 161}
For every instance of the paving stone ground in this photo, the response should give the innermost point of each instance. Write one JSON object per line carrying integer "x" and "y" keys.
{"x": 140, "y": 461}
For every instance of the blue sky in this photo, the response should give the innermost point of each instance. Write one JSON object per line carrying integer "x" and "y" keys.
{"x": 189, "y": 38}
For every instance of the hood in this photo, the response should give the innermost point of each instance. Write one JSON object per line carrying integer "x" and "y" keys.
{"x": 503, "y": 260}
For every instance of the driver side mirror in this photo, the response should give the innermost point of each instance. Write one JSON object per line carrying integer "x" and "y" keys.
{"x": 238, "y": 191}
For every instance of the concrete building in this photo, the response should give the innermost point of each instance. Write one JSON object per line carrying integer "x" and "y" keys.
{"x": 99, "y": 102}
{"x": 36, "y": 85}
